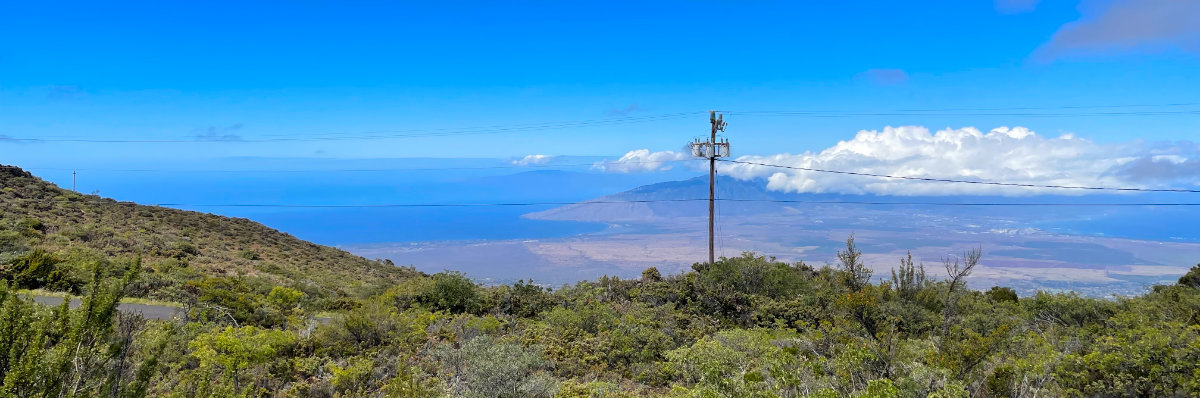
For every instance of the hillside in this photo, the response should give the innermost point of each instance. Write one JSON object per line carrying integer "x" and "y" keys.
{"x": 178, "y": 247}
{"x": 749, "y": 325}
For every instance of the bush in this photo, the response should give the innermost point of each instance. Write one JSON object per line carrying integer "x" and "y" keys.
{"x": 30, "y": 226}
{"x": 487, "y": 368}
{"x": 522, "y": 299}
{"x": 248, "y": 254}
{"x": 1192, "y": 278}
{"x": 452, "y": 291}
{"x": 1001, "y": 294}
{"x": 40, "y": 269}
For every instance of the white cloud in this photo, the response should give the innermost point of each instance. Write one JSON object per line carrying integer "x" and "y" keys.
{"x": 1015, "y": 155}
{"x": 642, "y": 160}
{"x": 533, "y": 160}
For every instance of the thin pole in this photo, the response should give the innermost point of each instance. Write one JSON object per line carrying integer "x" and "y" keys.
{"x": 73, "y": 182}
{"x": 712, "y": 182}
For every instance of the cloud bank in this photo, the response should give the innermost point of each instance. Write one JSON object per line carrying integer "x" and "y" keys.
{"x": 1116, "y": 26}
{"x": 1011, "y": 155}
{"x": 642, "y": 160}
{"x": 530, "y": 160}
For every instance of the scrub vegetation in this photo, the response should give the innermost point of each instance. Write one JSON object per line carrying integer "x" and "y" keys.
{"x": 748, "y": 326}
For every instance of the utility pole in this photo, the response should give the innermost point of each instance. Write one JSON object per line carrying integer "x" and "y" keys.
{"x": 73, "y": 181}
{"x": 712, "y": 149}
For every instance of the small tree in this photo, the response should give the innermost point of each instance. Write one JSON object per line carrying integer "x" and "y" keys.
{"x": 1001, "y": 294}
{"x": 909, "y": 279}
{"x": 651, "y": 275}
{"x": 1192, "y": 278}
{"x": 232, "y": 350}
{"x": 957, "y": 271}
{"x": 856, "y": 274}
{"x": 454, "y": 292}
{"x": 285, "y": 299}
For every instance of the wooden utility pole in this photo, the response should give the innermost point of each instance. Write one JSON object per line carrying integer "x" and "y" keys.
{"x": 712, "y": 149}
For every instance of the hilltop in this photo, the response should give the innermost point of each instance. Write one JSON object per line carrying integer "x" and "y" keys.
{"x": 178, "y": 247}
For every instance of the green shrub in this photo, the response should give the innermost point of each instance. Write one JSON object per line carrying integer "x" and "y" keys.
{"x": 452, "y": 291}
{"x": 248, "y": 254}
{"x": 1001, "y": 294}
{"x": 40, "y": 269}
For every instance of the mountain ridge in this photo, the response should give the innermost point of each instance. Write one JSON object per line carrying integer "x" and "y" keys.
{"x": 178, "y": 246}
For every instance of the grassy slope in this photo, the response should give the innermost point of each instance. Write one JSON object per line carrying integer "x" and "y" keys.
{"x": 206, "y": 244}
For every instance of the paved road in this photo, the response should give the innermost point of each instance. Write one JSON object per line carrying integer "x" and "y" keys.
{"x": 148, "y": 311}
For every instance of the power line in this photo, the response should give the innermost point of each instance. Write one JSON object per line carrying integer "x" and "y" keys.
{"x": 497, "y": 129}
{"x": 600, "y": 202}
{"x": 874, "y": 203}
{"x": 365, "y": 170}
{"x": 401, "y": 205}
{"x": 1007, "y": 184}
{"x": 992, "y": 111}
{"x": 526, "y": 126}
{"x": 378, "y": 135}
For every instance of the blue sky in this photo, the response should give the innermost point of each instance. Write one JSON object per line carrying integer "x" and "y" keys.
{"x": 170, "y": 70}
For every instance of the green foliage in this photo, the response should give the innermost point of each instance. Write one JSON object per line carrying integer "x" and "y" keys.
{"x": 748, "y": 326}
{"x": 452, "y": 291}
{"x": 30, "y": 227}
{"x": 408, "y": 384}
{"x": 651, "y": 275}
{"x": 732, "y": 286}
{"x": 284, "y": 298}
{"x": 63, "y": 352}
{"x": 230, "y": 299}
{"x": 1001, "y": 294}
{"x": 909, "y": 280}
{"x": 856, "y": 275}
{"x": 487, "y": 368}
{"x": 249, "y": 254}
{"x": 521, "y": 299}
{"x": 1192, "y": 278}
{"x": 38, "y": 214}
{"x": 591, "y": 389}
{"x": 231, "y": 352}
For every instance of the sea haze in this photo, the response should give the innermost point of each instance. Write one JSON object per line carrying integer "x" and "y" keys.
{"x": 1095, "y": 249}
{"x": 1092, "y": 249}
{"x": 359, "y": 182}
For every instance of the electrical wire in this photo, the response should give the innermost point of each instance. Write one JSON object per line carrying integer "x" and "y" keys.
{"x": 599, "y": 202}
{"x": 1007, "y": 184}
{"x": 825, "y": 114}
{"x": 527, "y": 127}
{"x": 364, "y": 170}
{"x": 376, "y": 135}
{"x": 995, "y": 109}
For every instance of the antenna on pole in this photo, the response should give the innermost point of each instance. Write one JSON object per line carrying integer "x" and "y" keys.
{"x": 712, "y": 149}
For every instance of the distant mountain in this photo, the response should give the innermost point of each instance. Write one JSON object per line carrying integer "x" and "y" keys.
{"x": 176, "y": 245}
{"x": 1068, "y": 213}
{"x": 672, "y": 199}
